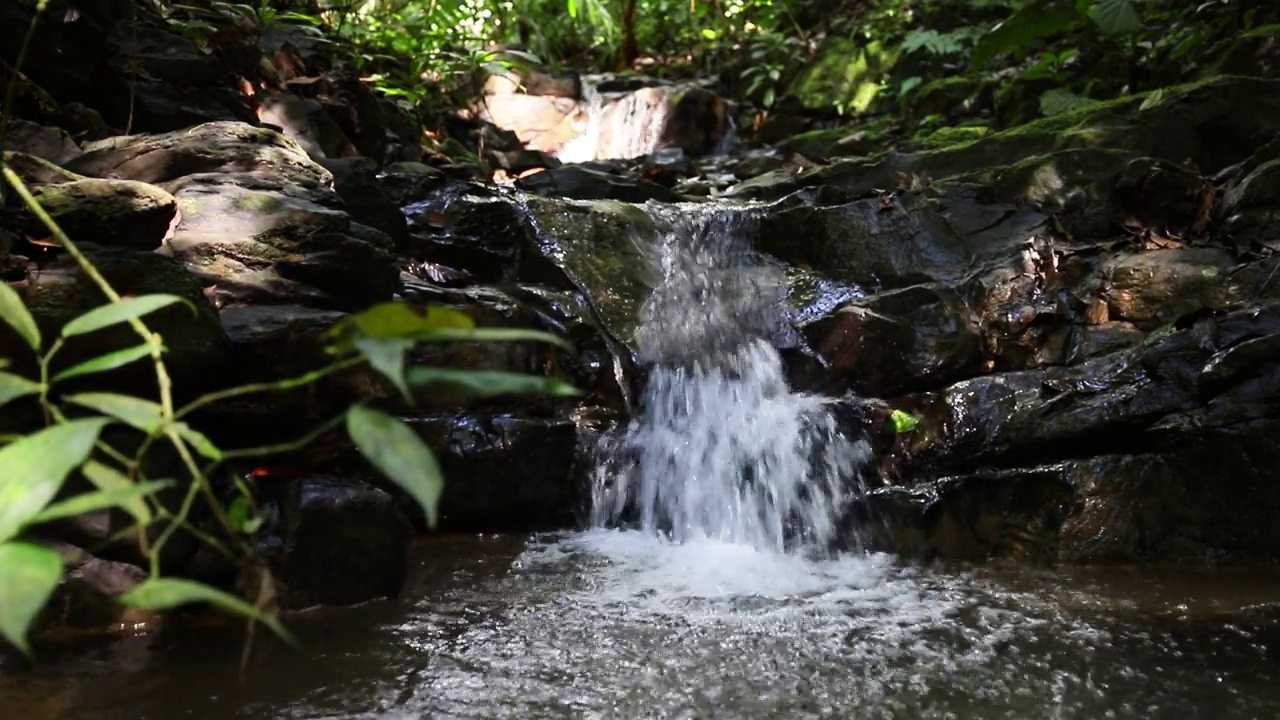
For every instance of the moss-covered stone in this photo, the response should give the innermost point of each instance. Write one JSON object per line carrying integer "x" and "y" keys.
{"x": 844, "y": 74}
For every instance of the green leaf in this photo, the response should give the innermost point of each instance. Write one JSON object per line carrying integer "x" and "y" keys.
{"x": 1060, "y": 101}
{"x": 168, "y": 593}
{"x": 28, "y": 576}
{"x": 399, "y": 319}
{"x": 386, "y": 355}
{"x": 14, "y": 312}
{"x": 198, "y": 440}
{"x": 110, "y": 480}
{"x": 1154, "y": 99}
{"x": 118, "y": 312}
{"x": 492, "y": 335}
{"x": 400, "y": 454}
{"x": 1031, "y": 23}
{"x": 15, "y": 386}
{"x": 136, "y": 412}
{"x": 486, "y": 383}
{"x": 33, "y": 468}
{"x": 572, "y": 8}
{"x": 1116, "y": 17}
{"x": 88, "y": 502}
{"x": 902, "y": 421}
{"x": 103, "y": 363}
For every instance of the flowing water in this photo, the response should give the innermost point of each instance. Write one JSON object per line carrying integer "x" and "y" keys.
{"x": 709, "y": 587}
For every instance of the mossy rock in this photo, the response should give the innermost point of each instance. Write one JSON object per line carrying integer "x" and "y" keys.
{"x": 844, "y": 74}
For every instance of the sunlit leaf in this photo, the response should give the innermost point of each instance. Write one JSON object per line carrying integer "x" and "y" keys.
{"x": 198, "y": 440}
{"x": 486, "y": 383}
{"x": 386, "y": 355}
{"x": 29, "y": 576}
{"x": 104, "y": 363}
{"x": 902, "y": 421}
{"x": 33, "y": 468}
{"x": 493, "y": 335}
{"x": 396, "y": 450}
{"x": 168, "y": 593}
{"x": 144, "y": 415}
{"x": 98, "y": 500}
{"x": 15, "y": 386}
{"x": 14, "y": 312}
{"x": 398, "y": 320}
{"x": 108, "y": 479}
{"x": 118, "y": 312}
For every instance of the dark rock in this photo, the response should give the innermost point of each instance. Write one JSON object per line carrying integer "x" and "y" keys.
{"x": 336, "y": 542}
{"x": 518, "y": 161}
{"x": 122, "y": 213}
{"x": 907, "y": 340}
{"x": 503, "y": 471}
{"x": 308, "y": 122}
{"x": 466, "y": 227}
{"x": 1156, "y": 287}
{"x": 195, "y": 343}
{"x": 49, "y": 144}
{"x": 85, "y": 599}
{"x": 356, "y": 182}
{"x": 699, "y": 120}
{"x": 38, "y": 171}
{"x": 580, "y": 183}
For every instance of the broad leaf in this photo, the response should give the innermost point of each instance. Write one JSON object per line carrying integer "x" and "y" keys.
{"x": 136, "y": 412}
{"x": 33, "y": 468}
{"x": 1116, "y": 17}
{"x": 118, "y": 312}
{"x": 400, "y": 454}
{"x": 15, "y": 386}
{"x": 399, "y": 319}
{"x": 168, "y": 593}
{"x": 1031, "y": 23}
{"x": 108, "y": 479}
{"x": 103, "y": 363}
{"x": 1060, "y": 101}
{"x": 492, "y": 335}
{"x": 386, "y": 355}
{"x": 14, "y": 312}
{"x": 486, "y": 383}
{"x": 88, "y": 502}
{"x": 30, "y": 574}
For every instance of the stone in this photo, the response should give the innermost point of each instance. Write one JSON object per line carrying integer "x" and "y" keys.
{"x": 913, "y": 339}
{"x": 85, "y": 600}
{"x": 581, "y": 183}
{"x": 123, "y": 213}
{"x": 355, "y": 179}
{"x": 333, "y": 541}
{"x": 307, "y": 122}
{"x": 50, "y": 144}
{"x": 503, "y": 472}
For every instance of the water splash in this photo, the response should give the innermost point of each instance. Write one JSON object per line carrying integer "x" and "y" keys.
{"x": 721, "y": 448}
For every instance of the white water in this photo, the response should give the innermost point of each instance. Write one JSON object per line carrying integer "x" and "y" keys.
{"x": 721, "y": 448}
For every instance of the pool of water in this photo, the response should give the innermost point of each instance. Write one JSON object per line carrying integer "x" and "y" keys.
{"x": 610, "y": 624}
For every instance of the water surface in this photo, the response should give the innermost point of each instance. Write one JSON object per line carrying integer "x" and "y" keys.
{"x": 610, "y": 624}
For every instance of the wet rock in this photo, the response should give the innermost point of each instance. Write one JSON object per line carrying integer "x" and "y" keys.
{"x": 122, "y": 213}
{"x": 503, "y": 471}
{"x": 466, "y": 227}
{"x": 896, "y": 240}
{"x": 901, "y": 341}
{"x": 1251, "y": 206}
{"x": 582, "y": 183}
{"x": 85, "y": 598}
{"x": 1160, "y": 286}
{"x": 335, "y": 542}
{"x": 1160, "y": 195}
{"x": 698, "y": 122}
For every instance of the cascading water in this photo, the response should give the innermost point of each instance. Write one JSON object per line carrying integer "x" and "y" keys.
{"x": 721, "y": 448}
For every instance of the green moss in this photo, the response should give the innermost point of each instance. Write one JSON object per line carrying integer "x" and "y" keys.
{"x": 844, "y": 74}
{"x": 258, "y": 202}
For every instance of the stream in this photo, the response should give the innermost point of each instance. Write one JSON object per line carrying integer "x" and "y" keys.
{"x": 613, "y": 624}
{"x": 716, "y": 581}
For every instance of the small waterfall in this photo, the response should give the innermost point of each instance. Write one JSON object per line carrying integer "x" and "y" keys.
{"x": 720, "y": 447}
{"x": 618, "y": 126}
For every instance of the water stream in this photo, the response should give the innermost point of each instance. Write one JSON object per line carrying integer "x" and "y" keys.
{"x": 708, "y": 588}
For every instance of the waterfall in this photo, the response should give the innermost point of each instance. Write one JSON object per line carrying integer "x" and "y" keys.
{"x": 618, "y": 125}
{"x": 720, "y": 447}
